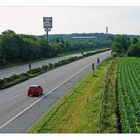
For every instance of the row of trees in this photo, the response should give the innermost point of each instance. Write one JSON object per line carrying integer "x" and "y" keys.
{"x": 124, "y": 45}
{"x": 17, "y": 48}
{"x": 14, "y": 47}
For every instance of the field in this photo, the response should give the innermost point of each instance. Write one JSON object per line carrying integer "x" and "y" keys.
{"x": 78, "y": 111}
{"x": 128, "y": 78}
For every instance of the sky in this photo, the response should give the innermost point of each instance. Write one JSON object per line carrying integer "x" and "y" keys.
{"x": 29, "y": 20}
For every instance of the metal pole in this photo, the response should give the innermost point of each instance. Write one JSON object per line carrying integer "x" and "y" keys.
{"x": 47, "y": 35}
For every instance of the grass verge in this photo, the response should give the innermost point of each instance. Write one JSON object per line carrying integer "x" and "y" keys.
{"x": 78, "y": 111}
{"x": 109, "y": 120}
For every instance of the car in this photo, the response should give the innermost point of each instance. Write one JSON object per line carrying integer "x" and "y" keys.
{"x": 35, "y": 90}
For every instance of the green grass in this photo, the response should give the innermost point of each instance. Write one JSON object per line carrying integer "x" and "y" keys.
{"x": 109, "y": 120}
{"x": 78, "y": 111}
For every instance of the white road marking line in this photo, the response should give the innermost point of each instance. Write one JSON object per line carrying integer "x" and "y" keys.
{"x": 2, "y": 126}
{"x": 13, "y": 97}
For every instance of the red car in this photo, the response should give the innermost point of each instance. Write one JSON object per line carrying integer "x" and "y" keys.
{"x": 35, "y": 90}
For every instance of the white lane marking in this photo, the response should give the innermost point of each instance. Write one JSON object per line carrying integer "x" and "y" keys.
{"x": 42, "y": 98}
{"x": 2, "y": 126}
{"x": 13, "y": 97}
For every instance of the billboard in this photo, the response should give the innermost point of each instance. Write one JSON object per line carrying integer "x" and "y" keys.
{"x": 47, "y": 22}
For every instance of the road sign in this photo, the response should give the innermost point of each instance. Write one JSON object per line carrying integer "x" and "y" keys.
{"x": 47, "y": 22}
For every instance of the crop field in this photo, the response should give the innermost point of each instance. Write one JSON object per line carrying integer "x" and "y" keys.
{"x": 129, "y": 94}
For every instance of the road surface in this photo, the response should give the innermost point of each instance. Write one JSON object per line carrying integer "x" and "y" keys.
{"x": 18, "y": 112}
{"x": 7, "y": 72}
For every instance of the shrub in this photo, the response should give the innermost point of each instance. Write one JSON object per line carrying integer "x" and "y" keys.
{"x": 45, "y": 67}
{"x": 35, "y": 70}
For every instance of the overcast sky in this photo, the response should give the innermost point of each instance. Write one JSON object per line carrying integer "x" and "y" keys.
{"x": 29, "y": 20}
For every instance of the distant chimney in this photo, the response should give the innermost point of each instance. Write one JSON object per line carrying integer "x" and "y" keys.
{"x": 106, "y": 29}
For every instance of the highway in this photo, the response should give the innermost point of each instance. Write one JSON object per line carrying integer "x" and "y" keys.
{"x": 7, "y": 72}
{"x": 18, "y": 112}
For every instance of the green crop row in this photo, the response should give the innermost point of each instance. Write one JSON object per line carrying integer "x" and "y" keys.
{"x": 129, "y": 94}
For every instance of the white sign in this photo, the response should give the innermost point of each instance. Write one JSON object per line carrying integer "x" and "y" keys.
{"x": 47, "y": 22}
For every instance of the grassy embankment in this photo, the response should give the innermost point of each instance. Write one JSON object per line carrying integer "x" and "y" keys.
{"x": 78, "y": 111}
{"x": 110, "y": 118}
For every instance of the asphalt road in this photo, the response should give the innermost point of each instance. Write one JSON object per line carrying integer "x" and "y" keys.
{"x": 7, "y": 72}
{"x": 18, "y": 112}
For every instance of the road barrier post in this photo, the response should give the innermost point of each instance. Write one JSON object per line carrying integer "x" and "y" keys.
{"x": 93, "y": 68}
{"x": 29, "y": 66}
{"x": 98, "y": 61}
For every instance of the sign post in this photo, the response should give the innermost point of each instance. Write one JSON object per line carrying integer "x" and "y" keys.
{"x": 47, "y": 25}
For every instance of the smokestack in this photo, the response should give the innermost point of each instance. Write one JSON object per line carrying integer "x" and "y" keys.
{"x": 106, "y": 29}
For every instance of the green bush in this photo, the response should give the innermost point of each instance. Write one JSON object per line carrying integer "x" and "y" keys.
{"x": 50, "y": 66}
{"x": 35, "y": 70}
{"x": 2, "y": 82}
{"x": 45, "y": 67}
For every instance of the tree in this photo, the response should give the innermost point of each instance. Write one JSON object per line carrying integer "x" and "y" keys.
{"x": 57, "y": 40}
{"x": 134, "y": 40}
{"x": 44, "y": 47}
{"x": 19, "y": 47}
{"x": 117, "y": 49}
{"x": 134, "y": 50}
{"x": 9, "y": 45}
{"x": 8, "y": 32}
{"x": 121, "y": 45}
